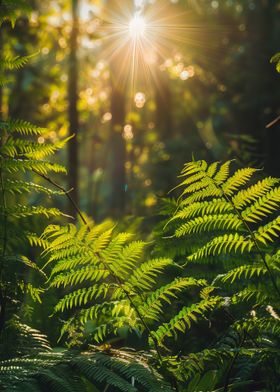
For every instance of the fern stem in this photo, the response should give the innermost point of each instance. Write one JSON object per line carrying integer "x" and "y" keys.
{"x": 67, "y": 194}
{"x": 145, "y": 325}
{"x": 234, "y": 359}
{"x": 116, "y": 278}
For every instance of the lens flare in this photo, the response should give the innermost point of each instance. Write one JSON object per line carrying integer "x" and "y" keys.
{"x": 137, "y": 27}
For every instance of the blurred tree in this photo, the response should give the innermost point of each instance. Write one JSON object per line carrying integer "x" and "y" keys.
{"x": 73, "y": 146}
{"x": 118, "y": 111}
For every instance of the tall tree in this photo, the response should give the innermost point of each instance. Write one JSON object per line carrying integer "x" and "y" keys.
{"x": 118, "y": 148}
{"x": 73, "y": 114}
{"x": 117, "y": 142}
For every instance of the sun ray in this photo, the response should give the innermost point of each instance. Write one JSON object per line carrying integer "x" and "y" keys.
{"x": 139, "y": 40}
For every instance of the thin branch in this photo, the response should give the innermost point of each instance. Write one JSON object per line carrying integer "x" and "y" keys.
{"x": 273, "y": 122}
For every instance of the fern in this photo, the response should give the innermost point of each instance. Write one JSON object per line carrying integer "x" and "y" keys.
{"x": 237, "y": 219}
{"x": 20, "y": 154}
{"x": 184, "y": 319}
{"x": 109, "y": 282}
{"x": 68, "y": 370}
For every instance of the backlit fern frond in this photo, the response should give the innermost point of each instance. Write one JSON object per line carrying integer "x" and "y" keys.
{"x": 184, "y": 319}
{"x": 21, "y": 127}
{"x": 223, "y": 244}
{"x": 254, "y": 192}
{"x": 109, "y": 282}
{"x": 14, "y": 63}
{"x": 238, "y": 180}
{"x": 166, "y": 294}
{"x": 22, "y": 157}
{"x": 244, "y": 271}
{"x": 212, "y": 201}
{"x": 208, "y": 222}
{"x": 230, "y": 219}
{"x": 252, "y": 292}
{"x": 21, "y": 187}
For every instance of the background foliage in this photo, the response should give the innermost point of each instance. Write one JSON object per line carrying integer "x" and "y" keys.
{"x": 93, "y": 297}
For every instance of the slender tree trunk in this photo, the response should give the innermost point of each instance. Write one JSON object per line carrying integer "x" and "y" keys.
{"x": 118, "y": 147}
{"x": 163, "y": 107}
{"x": 73, "y": 115}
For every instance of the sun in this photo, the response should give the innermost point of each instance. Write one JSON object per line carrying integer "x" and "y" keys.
{"x": 137, "y": 27}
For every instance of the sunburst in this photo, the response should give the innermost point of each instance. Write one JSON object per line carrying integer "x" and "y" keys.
{"x": 135, "y": 40}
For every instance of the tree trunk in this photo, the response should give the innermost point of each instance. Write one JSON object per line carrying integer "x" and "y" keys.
{"x": 73, "y": 115}
{"x": 163, "y": 107}
{"x": 118, "y": 147}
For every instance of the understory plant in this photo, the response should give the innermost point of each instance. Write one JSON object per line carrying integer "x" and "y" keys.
{"x": 27, "y": 360}
{"x": 195, "y": 307}
{"x": 227, "y": 225}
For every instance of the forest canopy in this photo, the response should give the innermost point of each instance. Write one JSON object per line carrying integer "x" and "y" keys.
{"x": 139, "y": 188}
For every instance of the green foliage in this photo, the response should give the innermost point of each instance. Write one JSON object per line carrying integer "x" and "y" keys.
{"x": 232, "y": 209}
{"x": 23, "y": 153}
{"x": 276, "y": 59}
{"x": 109, "y": 282}
{"x": 73, "y": 371}
{"x": 28, "y": 363}
{"x": 110, "y": 285}
{"x": 236, "y": 217}
{"x": 11, "y": 9}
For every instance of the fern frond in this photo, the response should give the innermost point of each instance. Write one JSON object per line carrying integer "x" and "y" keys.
{"x": 154, "y": 304}
{"x": 34, "y": 292}
{"x": 226, "y": 243}
{"x": 223, "y": 173}
{"x": 146, "y": 275}
{"x": 249, "y": 293}
{"x": 239, "y": 179}
{"x": 23, "y": 211}
{"x": 128, "y": 258}
{"x": 214, "y": 206}
{"x": 20, "y": 187}
{"x": 83, "y": 296}
{"x": 263, "y": 324}
{"x": 88, "y": 273}
{"x": 265, "y": 233}
{"x": 29, "y": 149}
{"x": 209, "y": 222}
{"x": 14, "y": 63}
{"x": 263, "y": 206}
{"x": 244, "y": 271}
{"x": 254, "y": 192}
{"x": 21, "y": 127}
{"x": 42, "y": 167}
{"x": 185, "y": 318}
